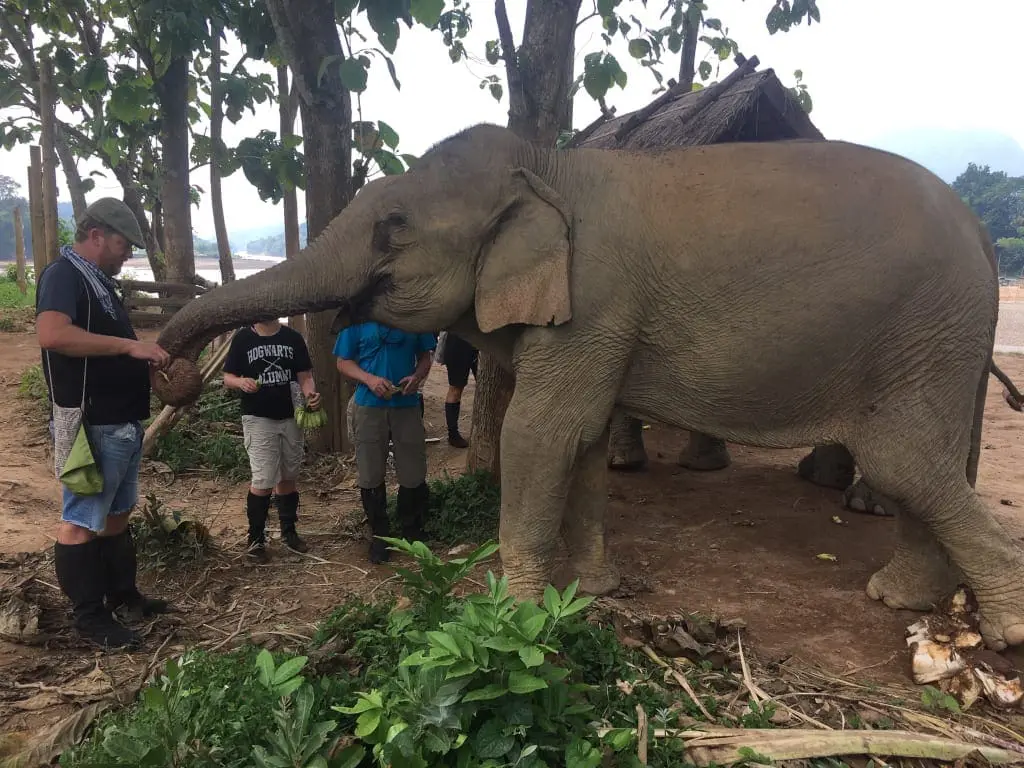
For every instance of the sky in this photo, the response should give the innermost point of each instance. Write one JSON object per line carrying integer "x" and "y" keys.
{"x": 872, "y": 66}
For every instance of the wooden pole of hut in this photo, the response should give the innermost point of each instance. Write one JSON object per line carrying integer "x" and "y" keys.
{"x": 35, "y": 210}
{"x": 48, "y": 100}
{"x": 19, "y": 250}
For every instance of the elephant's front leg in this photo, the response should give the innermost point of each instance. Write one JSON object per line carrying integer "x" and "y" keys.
{"x": 544, "y": 432}
{"x": 584, "y": 525}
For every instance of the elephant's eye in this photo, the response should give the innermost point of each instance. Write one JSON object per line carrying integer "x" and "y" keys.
{"x": 385, "y": 229}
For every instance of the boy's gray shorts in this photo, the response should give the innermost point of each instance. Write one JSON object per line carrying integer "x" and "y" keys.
{"x": 275, "y": 448}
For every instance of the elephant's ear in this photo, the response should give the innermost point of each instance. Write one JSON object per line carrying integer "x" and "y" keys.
{"x": 522, "y": 274}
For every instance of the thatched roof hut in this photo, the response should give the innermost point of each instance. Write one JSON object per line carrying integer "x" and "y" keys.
{"x": 745, "y": 106}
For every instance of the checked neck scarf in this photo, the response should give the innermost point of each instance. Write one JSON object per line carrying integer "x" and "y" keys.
{"x": 103, "y": 286}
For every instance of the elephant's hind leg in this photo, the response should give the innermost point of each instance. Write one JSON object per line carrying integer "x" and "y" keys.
{"x": 704, "y": 453}
{"x": 919, "y": 574}
{"x": 626, "y": 450}
{"x": 931, "y": 488}
{"x": 584, "y": 522}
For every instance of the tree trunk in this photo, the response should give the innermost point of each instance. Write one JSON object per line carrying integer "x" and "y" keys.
{"x": 687, "y": 62}
{"x": 47, "y": 105}
{"x": 158, "y": 231}
{"x": 288, "y": 106}
{"x": 540, "y": 74}
{"x": 133, "y": 199}
{"x": 307, "y": 34}
{"x": 74, "y": 179}
{"x": 172, "y": 93}
{"x": 227, "y": 267}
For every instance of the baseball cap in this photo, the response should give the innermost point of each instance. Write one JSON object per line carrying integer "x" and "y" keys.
{"x": 119, "y": 217}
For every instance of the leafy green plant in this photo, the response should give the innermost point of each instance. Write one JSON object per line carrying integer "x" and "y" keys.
{"x": 465, "y": 508}
{"x": 299, "y": 742}
{"x": 430, "y": 588}
{"x": 483, "y": 689}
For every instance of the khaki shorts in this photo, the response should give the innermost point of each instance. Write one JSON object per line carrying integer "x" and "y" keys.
{"x": 275, "y": 450}
{"x": 372, "y": 428}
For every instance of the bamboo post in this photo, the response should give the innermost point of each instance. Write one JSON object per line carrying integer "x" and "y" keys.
{"x": 170, "y": 415}
{"x": 35, "y": 212}
{"x": 19, "y": 250}
{"x": 47, "y": 105}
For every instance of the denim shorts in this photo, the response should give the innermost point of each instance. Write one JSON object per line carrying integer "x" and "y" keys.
{"x": 118, "y": 451}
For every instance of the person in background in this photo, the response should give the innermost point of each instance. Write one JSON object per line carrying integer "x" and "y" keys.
{"x": 459, "y": 357}
{"x": 92, "y": 357}
{"x": 263, "y": 361}
{"x": 389, "y": 365}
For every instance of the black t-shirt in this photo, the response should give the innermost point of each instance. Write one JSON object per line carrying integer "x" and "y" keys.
{"x": 117, "y": 386}
{"x": 275, "y": 362}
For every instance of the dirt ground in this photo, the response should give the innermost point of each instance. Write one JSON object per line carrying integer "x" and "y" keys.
{"x": 742, "y": 542}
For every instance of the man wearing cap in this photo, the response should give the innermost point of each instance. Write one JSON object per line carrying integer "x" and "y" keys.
{"x": 91, "y": 357}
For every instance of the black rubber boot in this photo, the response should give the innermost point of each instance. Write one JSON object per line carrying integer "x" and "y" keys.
{"x": 411, "y": 509}
{"x": 123, "y": 596}
{"x": 375, "y": 504}
{"x": 82, "y": 577}
{"x": 451, "y": 415}
{"x": 256, "y": 509}
{"x": 288, "y": 514}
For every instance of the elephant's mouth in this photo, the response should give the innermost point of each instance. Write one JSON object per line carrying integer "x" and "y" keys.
{"x": 356, "y": 309}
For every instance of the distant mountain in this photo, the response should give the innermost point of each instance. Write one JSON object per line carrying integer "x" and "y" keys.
{"x": 273, "y": 245}
{"x": 239, "y": 237}
{"x": 947, "y": 152}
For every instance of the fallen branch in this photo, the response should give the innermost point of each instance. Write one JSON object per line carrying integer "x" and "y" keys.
{"x": 724, "y": 746}
{"x": 681, "y": 679}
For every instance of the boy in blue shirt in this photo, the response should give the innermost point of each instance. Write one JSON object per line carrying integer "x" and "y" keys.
{"x": 389, "y": 366}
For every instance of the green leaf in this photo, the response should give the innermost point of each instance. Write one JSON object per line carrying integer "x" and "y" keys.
{"x": 502, "y": 644}
{"x": 491, "y": 742}
{"x": 350, "y": 757}
{"x": 488, "y": 692}
{"x": 582, "y": 754}
{"x": 521, "y": 682}
{"x": 638, "y": 48}
{"x": 576, "y": 606}
{"x": 551, "y": 600}
{"x": 532, "y": 656}
{"x": 705, "y": 70}
{"x": 605, "y": 7}
{"x": 95, "y": 77}
{"x": 367, "y": 723}
{"x": 353, "y": 75}
{"x": 289, "y": 669}
{"x": 265, "y": 665}
{"x": 445, "y": 641}
{"x": 533, "y": 625}
{"x": 288, "y": 687}
{"x": 426, "y": 12}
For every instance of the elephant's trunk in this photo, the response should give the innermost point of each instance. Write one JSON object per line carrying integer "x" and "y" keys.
{"x": 316, "y": 279}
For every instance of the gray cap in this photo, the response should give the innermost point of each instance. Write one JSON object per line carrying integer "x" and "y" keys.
{"x": 119, "y": 217}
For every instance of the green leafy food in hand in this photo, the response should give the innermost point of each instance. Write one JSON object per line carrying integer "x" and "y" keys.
{"x": 310, "y": 419}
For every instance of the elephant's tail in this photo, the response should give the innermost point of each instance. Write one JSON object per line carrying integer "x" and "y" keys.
{"x": 1014, "y": 399}
{"x": 974, "y": 453}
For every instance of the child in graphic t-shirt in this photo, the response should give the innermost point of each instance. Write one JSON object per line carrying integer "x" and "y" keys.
{"x": 263, "y": 361}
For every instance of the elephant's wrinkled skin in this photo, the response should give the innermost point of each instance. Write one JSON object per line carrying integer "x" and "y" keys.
{"x": 773, "y": 294}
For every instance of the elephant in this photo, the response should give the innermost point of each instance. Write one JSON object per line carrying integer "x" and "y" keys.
{"x": 773, "y": 294}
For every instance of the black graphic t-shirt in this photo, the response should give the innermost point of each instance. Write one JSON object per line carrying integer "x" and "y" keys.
{"x": 275, "y": 362}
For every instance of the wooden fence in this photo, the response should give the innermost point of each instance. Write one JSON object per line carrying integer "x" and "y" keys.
{"x": 148, "y": 311}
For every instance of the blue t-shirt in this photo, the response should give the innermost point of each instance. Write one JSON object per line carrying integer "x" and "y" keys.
{"x": 386, "y": 352}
